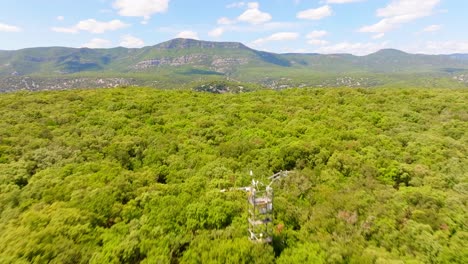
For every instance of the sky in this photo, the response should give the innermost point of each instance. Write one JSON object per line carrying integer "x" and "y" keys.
{"x": 359, "y": 27}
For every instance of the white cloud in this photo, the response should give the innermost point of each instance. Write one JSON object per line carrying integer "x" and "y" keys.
{"x": 353, "y": 48}
{"x": 225, "y": 21}
{"x": 141, "y": 8}
{"x": 400, "y": 12}
{"x": 70, "y": 30}
{"x": 316, "y": 34}
{"x": 253, "y": 5}
{"x": 441, "y": 47}
{"x": 97, "y": 43}
{"x": 315, "y": 37}
{"x": 382, "y": 26}
{"x": 342, "y": 1}
{"x": 187, "y": 34}
{"x": 270, "y": 26}
{"x": 411, "y": 8}
{"x": 236, "y": 5}
{"x": 273, "y": 26}
{"x": 93, "y": 26}
{"x": 432, "y": 28}
{"x": 130, "y": 41}
{"x": 378, "y": 36}
{"x": 217, "y": 32}
{"x": 317, "y": 42}
{"x": 60, "y": 18}
{"x": 9, "y": 28}
{"x": 292, "y": 50}
{"x": 253, "y": 15}
{"x": 280, "y": 36}
{"x": 315, "y": 14}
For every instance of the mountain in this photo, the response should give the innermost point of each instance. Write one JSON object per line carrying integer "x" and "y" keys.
{"x": 217, "y": 56}
{"x": 459, "y": 56}
{"x": 181, "y": 61}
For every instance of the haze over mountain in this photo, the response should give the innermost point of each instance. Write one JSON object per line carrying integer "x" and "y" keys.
{"x": 189, "y": 60}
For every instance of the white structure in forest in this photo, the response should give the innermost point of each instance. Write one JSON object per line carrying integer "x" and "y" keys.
{"x": 260, "y": 199}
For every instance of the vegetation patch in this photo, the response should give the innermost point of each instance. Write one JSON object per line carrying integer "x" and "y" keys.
{"x": 134, "y": 175}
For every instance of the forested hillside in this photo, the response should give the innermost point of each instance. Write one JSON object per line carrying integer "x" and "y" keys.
{"x": 134, "y": 175}
{"x": 181, "y": 62}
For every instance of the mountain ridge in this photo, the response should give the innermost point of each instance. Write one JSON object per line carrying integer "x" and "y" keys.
{"x": 176, "y": 41}
{"x": 187, "y": 60}
{"x": 183, "y": 43}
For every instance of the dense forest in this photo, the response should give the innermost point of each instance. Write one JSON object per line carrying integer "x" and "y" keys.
{"x": 133, "y": 175}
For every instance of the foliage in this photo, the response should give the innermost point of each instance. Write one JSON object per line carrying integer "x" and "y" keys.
{"x": 134, "y": 175}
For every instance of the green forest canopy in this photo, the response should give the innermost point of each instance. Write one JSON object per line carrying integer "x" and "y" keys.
{"x": 133, "y": 175}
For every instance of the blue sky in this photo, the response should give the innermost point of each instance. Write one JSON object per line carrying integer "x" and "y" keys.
{"x": 325, "y": 26}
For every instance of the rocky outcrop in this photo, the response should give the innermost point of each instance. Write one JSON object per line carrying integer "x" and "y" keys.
{"x": 216, "y": 63}
{"x": 194, "y": 59}
{"x": 223, "y": 64}
{"x": 462, "y": 78}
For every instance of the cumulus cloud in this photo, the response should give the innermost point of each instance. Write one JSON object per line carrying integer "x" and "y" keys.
{"x": 9, "y": 28}
{"x": 315, "y": 14}
{"x": 141, "y": 8}
{"x": 217, "y": 32}
{"x": 441, "y": 47}
{"x": 130, "y": 41}
{"x": 280, "y": 36}
{"x": 317, "y": 42}
{"x": 253, "y": 15}
{"x": 432, "y": 28}
{"x": 225, "y": 21}
{"x": 315, "y": 37}
{"x": 400, "y": 12}
{"x": 93, "y": 26}
{"x": 187, "y": 34}
{"x": 60, "y": 18}
{"x": 353, "y": 48}
{"x": 97, "y": 43}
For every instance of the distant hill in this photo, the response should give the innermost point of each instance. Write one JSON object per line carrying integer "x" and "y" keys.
{"x": 187, "y": 60}
{"x": 459, "y": 56}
